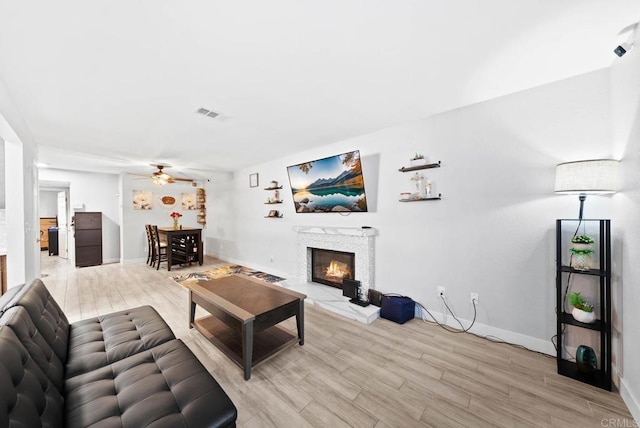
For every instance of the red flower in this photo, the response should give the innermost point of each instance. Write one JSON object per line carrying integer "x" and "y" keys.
{"x": 175, "y": 215}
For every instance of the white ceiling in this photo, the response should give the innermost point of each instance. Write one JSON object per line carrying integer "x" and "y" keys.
{"x": 120, "y": 81}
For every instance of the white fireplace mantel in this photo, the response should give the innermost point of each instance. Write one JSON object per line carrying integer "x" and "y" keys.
{"x": 347, "y": 231}
{"x": 348, "y": 239}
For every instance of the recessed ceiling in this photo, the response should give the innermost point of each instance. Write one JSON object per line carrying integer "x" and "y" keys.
{"x": 120, "y": 81}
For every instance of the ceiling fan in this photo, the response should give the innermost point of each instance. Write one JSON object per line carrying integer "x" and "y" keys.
{"x": 160, "y": 177}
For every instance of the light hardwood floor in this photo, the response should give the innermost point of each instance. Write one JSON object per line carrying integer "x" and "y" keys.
{"x": 351, "y": 374}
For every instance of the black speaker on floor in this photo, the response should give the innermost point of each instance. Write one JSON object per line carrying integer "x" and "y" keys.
{"x": 375, "y": 297}
{"x": 351, "y": 288}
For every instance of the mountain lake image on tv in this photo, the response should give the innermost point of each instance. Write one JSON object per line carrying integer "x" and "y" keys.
{"x": 333, "y": 184}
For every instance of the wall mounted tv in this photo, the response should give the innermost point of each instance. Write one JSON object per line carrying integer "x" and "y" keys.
{"x": 333, "y": 184}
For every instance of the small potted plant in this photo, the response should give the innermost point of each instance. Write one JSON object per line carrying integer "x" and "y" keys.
{"x": 417, "y": 159}
{"x": 581, "y": 251}
{"x": 175, "y": 216}
{"x": 582, "y": 310}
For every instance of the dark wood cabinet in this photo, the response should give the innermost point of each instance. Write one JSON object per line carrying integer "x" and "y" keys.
{"x": 88, "y": 237}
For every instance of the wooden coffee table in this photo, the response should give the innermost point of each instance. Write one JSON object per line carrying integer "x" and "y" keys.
{"x": 244, "y": 313}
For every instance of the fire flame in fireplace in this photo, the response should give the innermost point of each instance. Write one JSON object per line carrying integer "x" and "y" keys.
{"x": 338, "y": 270}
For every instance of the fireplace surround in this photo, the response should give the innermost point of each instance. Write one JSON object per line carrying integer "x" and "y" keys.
{"x": 344, "y": 239}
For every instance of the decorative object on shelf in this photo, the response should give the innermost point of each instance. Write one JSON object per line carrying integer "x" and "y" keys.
{"x": 587, "y": 177}
{"x": 586, "y": 360}
{"x": 273, "y": 213}
{"x": 418, "y": 181}
{"x": 405, "y": 196}
{"x": 274, "y": 184}
{"x": 581, "y": 251}
{"x": 418, "y": 159}
{"x": 582, "y": 310}
{"x": 253, "y": 180}
{"x": 201, "y": 200}
{"x": 428, "y": 189}
{"x": 176, "y": 217}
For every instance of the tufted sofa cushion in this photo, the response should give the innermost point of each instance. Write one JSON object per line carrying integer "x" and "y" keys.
{"x": 164, "y": 386}
{"x": 27, "y": 397}
{"x": 18, "y": 320}
{"x": 102, "y": 340}
{"x": 47, "y": 316}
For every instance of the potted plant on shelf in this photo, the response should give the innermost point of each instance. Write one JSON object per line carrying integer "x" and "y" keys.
{"x": 581, "y": 251}
{"x": 418, "y": 159}
{"x": 582, "y": 310}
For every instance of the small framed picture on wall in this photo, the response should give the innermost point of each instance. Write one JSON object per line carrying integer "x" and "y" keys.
{"x": 253, "y": 180}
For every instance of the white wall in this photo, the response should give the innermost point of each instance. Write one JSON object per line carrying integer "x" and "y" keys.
{"x": 626, "y": 225}
{"x": 493, "y": 232}
{"x": 21, "y": 197}
{"x": 2, "y": 175}
{"x": 94, "y": 192}
{"x": 48, "y": 203}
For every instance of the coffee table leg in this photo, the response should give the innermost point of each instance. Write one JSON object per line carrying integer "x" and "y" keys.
{"x": 300, "y": 323}
{"x": 247, "y": 348}
{"x": 192, "y": 309}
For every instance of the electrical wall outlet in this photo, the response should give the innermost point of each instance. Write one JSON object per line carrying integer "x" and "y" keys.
{"x": 475, "y": 298}
{"x": 441, "y": 292}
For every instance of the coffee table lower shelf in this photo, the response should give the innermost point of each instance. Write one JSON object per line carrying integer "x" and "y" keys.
{"x": 266, "y": 343}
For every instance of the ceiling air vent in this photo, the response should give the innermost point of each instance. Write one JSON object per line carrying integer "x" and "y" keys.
{"x": 206, "y": 112}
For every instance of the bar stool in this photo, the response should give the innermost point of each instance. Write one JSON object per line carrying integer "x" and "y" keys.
{"x": 147, "y": 229}
{"x": 159, "y": 248}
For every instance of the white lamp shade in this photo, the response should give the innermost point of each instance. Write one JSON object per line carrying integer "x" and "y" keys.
{"x": 587, "y": 177}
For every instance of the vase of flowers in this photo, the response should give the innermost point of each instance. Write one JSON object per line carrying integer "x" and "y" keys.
{"x": 175, "y": 216}
{"x": 582, "y": 310}
{"x": 581, "y": 251}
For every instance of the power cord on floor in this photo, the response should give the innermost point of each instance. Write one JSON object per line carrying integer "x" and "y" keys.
{"x": 489, "y": 338}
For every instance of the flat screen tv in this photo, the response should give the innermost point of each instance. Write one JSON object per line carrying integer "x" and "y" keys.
{"x": 333, "y": 184}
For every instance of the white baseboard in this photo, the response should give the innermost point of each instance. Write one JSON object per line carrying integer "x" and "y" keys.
{"x": 632, "y": 402}
{"x": 532, "y": 343}
{"x": 131, "y": 261}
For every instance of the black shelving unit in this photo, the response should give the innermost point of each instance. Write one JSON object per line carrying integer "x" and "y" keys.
{"x": 601, "y": 278}
{"x": 184, "y": 249}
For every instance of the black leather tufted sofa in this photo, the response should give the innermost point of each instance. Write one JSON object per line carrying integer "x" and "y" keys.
{"x": 124, "y": 369}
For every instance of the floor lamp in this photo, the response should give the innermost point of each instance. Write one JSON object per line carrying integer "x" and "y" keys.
{"x": 587, "y": 177}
